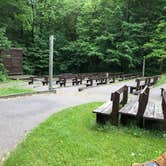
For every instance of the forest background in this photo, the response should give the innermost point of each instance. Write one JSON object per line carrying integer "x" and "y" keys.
{"x": 91, "y": 35}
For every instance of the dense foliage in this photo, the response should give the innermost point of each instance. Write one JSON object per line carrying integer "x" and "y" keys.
{"x": 4, "y": 44}
{"x": 91, "y": 35}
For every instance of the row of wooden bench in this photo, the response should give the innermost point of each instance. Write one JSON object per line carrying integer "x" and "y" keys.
{"x": 44, "y": 80}
{"x": 109, "y": 79}
{"x": 142, "y": 82}
{"x": 90, "y": 78}
{"x": 145, "y": 113}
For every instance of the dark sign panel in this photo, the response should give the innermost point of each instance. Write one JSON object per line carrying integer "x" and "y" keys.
{"x": 12, "y": 60}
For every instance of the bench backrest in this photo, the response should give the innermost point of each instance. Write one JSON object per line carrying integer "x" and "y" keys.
{"x": 46, "y": 79}
{"x": 152, "y": 80}
{"x": 138, "y": 83}
{"x": 143, "y": 101}
{"x": 146, "y": 81}
{"x": 155, "y": 79}
{"x": 115, "y": 75}
{"x": 115, "y": 98}
{"x": 66, "y": 76}
{"x": 164, "y": 104}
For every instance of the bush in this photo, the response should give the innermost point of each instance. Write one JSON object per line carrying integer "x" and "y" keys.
{"x": 3, "y": 74}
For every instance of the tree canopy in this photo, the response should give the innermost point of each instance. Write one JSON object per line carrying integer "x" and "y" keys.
{"x": 91, "y": 35}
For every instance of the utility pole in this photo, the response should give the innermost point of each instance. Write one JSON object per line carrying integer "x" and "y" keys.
{"x": 51, "y": 42}
{"x": 143, "y": 68}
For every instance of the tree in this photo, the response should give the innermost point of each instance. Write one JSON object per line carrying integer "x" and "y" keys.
{"x": 4, "y": 44}
{"x": 156, "y": 46}
{"x": 91, "y": 35}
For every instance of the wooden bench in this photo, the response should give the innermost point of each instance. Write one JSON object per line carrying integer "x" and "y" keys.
{"x": 98, "y": 78}
{"x": 128, "y": 76}
{"x": 115, "y": 75}
{"x": 111, "y": 79}
{"x": 31, "y": 81}
{"x": 162, "y": 91}
{"x": 153, "y": 80}
{"x": 134, "y": 110}
{"x": 109, "y": 110}
{"x": 62, "y": 79}
{"x": 45, "y": 81}
{"x": 155, "y": 114}
{"x": 62, "y": 82}
{"x": 142, "y": 82}
{"x": 40, "y": 79}
{"x": 89, "y": 82}
{"x": 76, "y": 81}
{"x": 90, "y": 79}
{"x": 101, "y": 80}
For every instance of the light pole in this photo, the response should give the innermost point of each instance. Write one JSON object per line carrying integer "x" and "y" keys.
{"x": 143, "y": 67}
{"x": 51, "y": 42}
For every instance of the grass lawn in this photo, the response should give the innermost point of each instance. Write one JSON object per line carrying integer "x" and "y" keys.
{"x": 162, "y": 80}
{"x": 72, "y": 138}
{"x": 13, "y": 89}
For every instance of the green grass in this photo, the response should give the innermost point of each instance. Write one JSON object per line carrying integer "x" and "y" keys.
{"x": 13, "y": 89}
{"x": 162, "y": 80}
{"x": 72, "y": 138}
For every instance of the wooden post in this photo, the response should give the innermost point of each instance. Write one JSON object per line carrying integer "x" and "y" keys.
{"x": 51, "y": 40}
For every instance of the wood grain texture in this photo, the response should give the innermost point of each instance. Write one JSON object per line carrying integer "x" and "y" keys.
{"x": 154, "y": 111}
{"x": 106, "y": 108}
{"x": 130, "y": 108}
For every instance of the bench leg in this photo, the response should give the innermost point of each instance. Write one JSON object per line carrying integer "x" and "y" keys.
{"x": 101, "y": 119}
{"x": 154, "y": 124}
{"x": 114, "y": 119}
{"x": 62, "y": 84}
{"x": 131, "y": 89}
{"x": 74, "y": 83}
{"x": 123, "y": 119}
{"x": 44, "y": 83}
{"x": 162, "y": 90}
{"x": 140, "y": 122}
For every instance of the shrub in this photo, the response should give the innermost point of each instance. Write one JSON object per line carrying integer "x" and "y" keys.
{"x": 3, "y": 74}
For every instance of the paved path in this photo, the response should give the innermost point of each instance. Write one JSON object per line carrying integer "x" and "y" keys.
{"x": 20, "y": 115}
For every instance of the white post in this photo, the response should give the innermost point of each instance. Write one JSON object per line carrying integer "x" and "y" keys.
{"x": 143, "y": 68}
{"x": 51, "y": 40}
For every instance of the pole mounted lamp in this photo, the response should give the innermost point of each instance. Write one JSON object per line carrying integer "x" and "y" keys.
{"x": 143, "y": 67}
{"x": 51, "y": 53}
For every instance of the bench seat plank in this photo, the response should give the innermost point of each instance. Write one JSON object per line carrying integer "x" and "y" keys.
{"x": 130, "y": 108}
{"x": 106, "y": 108}
{"x": 154, "y": 111}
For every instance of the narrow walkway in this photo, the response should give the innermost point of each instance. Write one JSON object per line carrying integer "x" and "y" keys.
{"x": 22, "y": 114}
